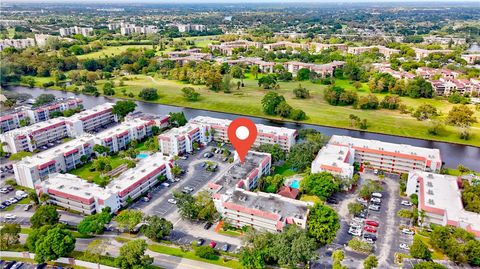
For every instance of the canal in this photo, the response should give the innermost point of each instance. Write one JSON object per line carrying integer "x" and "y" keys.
{"x": 452, "y": 154}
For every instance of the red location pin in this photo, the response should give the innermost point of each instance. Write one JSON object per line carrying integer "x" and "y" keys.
{"x": 242, "y": 133}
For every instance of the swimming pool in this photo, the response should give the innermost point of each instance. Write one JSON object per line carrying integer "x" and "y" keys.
{"x": 295, "y": 184}
{"x": 142, "y": 155}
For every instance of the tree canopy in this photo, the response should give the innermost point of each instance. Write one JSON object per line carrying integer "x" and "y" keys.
{"x": 323, "y": 224}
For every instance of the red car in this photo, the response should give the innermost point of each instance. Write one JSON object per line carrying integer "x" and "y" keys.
{"x": 213, "y": 244}
{"x": 370, "y": 229}
{"x": 372, "y": 223}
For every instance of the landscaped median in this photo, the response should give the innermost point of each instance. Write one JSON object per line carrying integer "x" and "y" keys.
{"x": 188, "y": 254}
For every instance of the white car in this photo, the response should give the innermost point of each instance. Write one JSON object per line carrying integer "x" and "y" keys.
{"x": 376, "y": 200}
{"x": 406, "y": 203}
{"x": 165, "y": 184}
{"x": 355, "y": 232}
{"x": 374, "y": 207}
{"x": 377, "y": 194}
{"x": 355, "y": 225}
{"x": 408, "y": 231}
{"x": 361, "y": 200}
{"x": 357, "y": 219}
{"x": 172, "y": 201}
{"x": 369, "y": 240}
{"x": 10, "y": 217}
{"x": 404, "y": 246}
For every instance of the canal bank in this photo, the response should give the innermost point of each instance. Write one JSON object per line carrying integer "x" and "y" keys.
{"x": 452, "y": 154}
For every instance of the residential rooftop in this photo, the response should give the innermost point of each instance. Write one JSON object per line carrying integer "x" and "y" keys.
{"x": 71, "y": 184}
{"x": 120, "y": 128}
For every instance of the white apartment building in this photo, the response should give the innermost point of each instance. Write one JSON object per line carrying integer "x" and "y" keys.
{"x": 32, "y": 170}
{"x": 422, "y": 53}
{"x": 75, "y": 30}
{"x": 118, "y": 137}
{"x": 178, "y": 141}
{"x": 439, "y": 196}
{"x": 71, "y": 192}
{"x": 285, "y": 45}
{"x": 387, "y": 52}
{"x": 133, "y": 29}
{"x": 39, "y": 134}
{"x": 17, "y": 43}
{"x": 139, "y": 180}
{"x": 263, "y": 211}
{"x": 11, "y": 120}
{"x": 471, "y": 58}
{"x": 319, "y": 47}
{"x": 335, "y": 159}
{"x": 185, "y": 28}
{"x": 266, "y": 134}
{"x": 396, "y": 158}
{"x": 227, "y": 48}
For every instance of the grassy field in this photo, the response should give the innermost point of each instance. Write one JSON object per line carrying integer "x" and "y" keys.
{"x": 94, "y": 176}
{"x": 190, "y": 255}
{"x": 109, "y": 51}
{"x": 247, "y": 101}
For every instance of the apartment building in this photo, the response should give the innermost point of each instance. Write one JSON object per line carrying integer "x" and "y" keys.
{"x": 75, "y": 30}
{"x": 139, "y": 180}
{"x": 91, "y": 120}
{"x": 324, "y": 70}
{"x": 133, "y": 29}
{"x": 161, "y": 121}
{"x": 281, "y": 45}
{"x": 284, "y": 137}
{"x": 396, "y": 74}
{"x": 396, "y": 158}
{"x": 11, "y": 120}
{"x": 237, "y": 204}
{"x": 118, "y": 137}
{"x": 319, "y": 47}
{"x": 17, "y": 43}
{"x": 39, "y": 134}
{"x": 43, "y": 113}
{"x": 185, "y": 28}
{"x": 71, "y": 192}
{"x": 445, "y": 40}
{"x": 387, "y": 52}
{"x": 65, "y": 157}
{"x": 227, "y": 48}
{"x": 178, "y": 141}
{"x": 439, "y": 196}
{"x": 185, "y": 56}
{"x": 422, "y": 53}
{"x": 471, "y": 58}
{"x": 335, "y": 159}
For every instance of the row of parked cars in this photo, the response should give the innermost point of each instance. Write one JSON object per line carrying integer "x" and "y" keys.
{"x": 212, "y": 244}
{"x": 19, "y": 195}
{"x": 17, "y": 265}
{"x": 360, "y": 225}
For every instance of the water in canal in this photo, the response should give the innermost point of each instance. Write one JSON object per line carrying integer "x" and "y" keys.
{"x": 452, "y": 154}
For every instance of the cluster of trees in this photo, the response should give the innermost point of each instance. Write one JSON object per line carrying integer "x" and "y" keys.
{"x": 356, "y": 122}
{"x": 149, "y": 94}
{"x": 288, "y": 249}
{"x": 190, "y": 94}
{"x": 123, "y": 107}
{"x": 95, "y": 224}
{"x": 275, "y": 104}
{"x": 9, "y": 235}
{"x": 471, "y": 197}
{"x": 303, "y": 153}
{"x": 370, "y": 187}
{"x": 321, "y": 184}
{"x": 277, "y": 153}
{"x": 198, "y": 207}
{"x": 271, "y": 184}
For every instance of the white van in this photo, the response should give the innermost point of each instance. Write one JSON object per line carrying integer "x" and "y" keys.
{"x": 377, "y": 195}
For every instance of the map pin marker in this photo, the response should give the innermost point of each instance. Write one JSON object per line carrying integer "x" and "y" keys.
{"x": 242, "y": 133}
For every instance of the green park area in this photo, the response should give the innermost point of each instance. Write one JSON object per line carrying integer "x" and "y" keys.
{"x": 88, "y": 173}
{"x": 247, "y": 101}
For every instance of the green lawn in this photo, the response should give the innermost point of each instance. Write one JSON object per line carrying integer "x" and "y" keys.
{"x": 436, "y": 254}
{"x": 94, "y": 176}
{"x": 109, "y": 51}
{"x": 247, "y": 101}
{"x": 311, "y": 198}
{"x": 190, "y": 255}
{"x": 284, "y": 170}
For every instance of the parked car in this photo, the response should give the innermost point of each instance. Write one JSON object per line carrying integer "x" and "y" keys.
{"x": 359, "y": 220}
{"x": 361, "y": 215}
{"x": 408, "y": 231}
{"x": 146, "y": 199}
{"x": 203, "y": 164}
{"x": 4, "y": 190}
{"x": 377, "y": 195}
{"x": 184, "y": 157}
{"x": 18, "y": 265}
{"x": 189, "y": 188}
{"x": 207, "y": 225}
{"x": 208, "y": 155}
{"x": 225, "y": 247}
{"x": 9, "y": 265}
{"x": 355, "y": 225}
{"x": 165, "y": 184}
{"x": 10, "y": 217}
{"x": 370, "y": 229}
{"x": 374, "y": 207}
{"x": 2, "y": 206}
{"x": 172, "y": 201}
{"x": 354, "y": 231}
{"x": 27, "y": 207}
{"x": 404, "y": 246}
{"x": 372, "y": 223}
{"x": 212, "y": 244}
{"x": 368, "y": 240}
{"x": 376, "y": 200}
{"x": 361, "y": 200}
{"x": 200, "y": 242}
{"x": 41, "y": 266}
{"x": 406, "y": 203}
{"x": 12, "y": 200}
{"x": 332, "y": 200}
{"x": 371, "y": 236}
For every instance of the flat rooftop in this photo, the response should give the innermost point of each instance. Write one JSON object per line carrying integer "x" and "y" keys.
{"x": 182, "y": 130}
{"x": 271, "y": 203}
{"x": 37, "y": 126}
{"x": 52, "y": 153}
{"x": 260, "y": 127}
{"x": 428, "y": 153}
{"x": 239, "y": 171}
{"x": 335, "y": 156}
{"x": 91, "y": 111}
{"x": 71, "y": 184}
{"x": 442, "y": 192}
{"x": 120, "y": 128}
{"x": 133, "y": 175}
